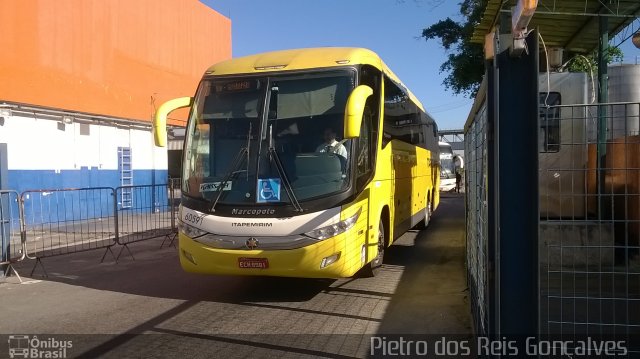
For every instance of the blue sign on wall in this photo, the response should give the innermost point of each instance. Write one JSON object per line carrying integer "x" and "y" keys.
{"x": 268, "y": 190}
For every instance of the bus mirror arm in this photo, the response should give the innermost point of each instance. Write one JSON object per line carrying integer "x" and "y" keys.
{"x": 354, "y": 110}
{"x": 160, "y": 118}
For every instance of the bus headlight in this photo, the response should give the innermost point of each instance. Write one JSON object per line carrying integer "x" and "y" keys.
{"x": 334, "y": 229}
{"x": 190, "y": 231}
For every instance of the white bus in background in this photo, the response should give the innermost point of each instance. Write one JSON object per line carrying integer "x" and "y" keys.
{"x": 569, "y": 126}
{"x": 563, "y": 141}
{"x": 447, "y": 168}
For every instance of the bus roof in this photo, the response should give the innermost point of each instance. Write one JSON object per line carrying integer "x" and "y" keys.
{"x": 300, "y": 59}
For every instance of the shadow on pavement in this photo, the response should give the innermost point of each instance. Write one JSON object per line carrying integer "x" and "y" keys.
{"x": 431, "y": 297}
{"x": 431, "y": 262}
{"x": 156, "y": 272}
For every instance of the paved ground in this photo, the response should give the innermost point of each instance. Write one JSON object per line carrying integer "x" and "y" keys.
{"x": 101, "y": 307}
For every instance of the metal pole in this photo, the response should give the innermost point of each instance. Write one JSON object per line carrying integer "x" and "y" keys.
{"x": 23, "y": 226}
{"x": 5, "y": 223}
{"x": 114, "y": 193}
{"x": 516, "y": 184}
{"x": 172, "y": 204}
{"x": 603, "y": 97}
{"x": 5, "y": 241}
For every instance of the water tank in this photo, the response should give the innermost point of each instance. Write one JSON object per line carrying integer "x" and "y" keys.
{"x": 624, "y": 86}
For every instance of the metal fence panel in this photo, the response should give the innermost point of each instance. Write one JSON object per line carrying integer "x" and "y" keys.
{"x": 477, "y": 217}
{"x": 175, "y": 188}
{"x": 62, "y": 221}
{"x": 150, "y": 214}
{"x": 175, "y": 193}
{"x": 589, "y": 228}
{"x": 11, "y": 238}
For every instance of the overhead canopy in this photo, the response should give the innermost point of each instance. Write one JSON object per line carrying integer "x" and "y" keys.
{"x": 568, "y": 24}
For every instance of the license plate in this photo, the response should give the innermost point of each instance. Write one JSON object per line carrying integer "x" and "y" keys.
{"x": 256, "y": 263}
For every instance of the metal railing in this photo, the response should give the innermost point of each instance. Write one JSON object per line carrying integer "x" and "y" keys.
{"x": 477, "y": 225}
{"x": 150, "y": 214}
{"x": 501, "y": 134}
{"x": 65, "y": 221}
{"x": 589, "y": 228}
{"x": 37, "y": 224}
{"x": 175, "y": 186}
{"x": 588, "y": 221}
{"x": 12, "y": 239}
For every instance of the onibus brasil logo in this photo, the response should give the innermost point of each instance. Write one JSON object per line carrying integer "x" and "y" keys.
{"x": 25, "y": 346}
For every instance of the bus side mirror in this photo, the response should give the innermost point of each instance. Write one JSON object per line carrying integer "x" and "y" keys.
{"x": 354, "y": 110}
{"x": 160, "y": 119}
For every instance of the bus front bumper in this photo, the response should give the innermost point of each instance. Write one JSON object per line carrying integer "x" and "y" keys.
{"x": 305, "y": 262}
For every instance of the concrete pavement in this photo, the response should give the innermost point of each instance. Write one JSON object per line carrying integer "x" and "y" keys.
{"x": 421, "y": 289}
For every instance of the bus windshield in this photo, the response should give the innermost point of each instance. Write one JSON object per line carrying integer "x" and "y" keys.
{"x": 269, "y": 139}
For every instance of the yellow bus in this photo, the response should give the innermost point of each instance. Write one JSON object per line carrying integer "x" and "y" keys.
{"x": 301, "y": 163}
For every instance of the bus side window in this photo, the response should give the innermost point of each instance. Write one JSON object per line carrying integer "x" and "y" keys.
{"x": 549, "y": 122}
{"x": 368, "y": 141}
{"x": 401, "y": 115}
{"x": 364, "y": 163}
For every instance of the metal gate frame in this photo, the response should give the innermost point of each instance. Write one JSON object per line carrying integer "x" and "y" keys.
{"x": 11, "y": 221}
{"x": 502, "y": 210}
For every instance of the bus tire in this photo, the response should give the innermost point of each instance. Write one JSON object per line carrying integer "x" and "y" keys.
{"x": 371, "y": 269}
{"x": 428, "y": 212}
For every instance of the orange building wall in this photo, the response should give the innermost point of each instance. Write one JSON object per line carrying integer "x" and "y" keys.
{"x": 110, "y": 57}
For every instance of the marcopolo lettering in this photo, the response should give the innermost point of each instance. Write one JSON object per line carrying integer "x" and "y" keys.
{"x": 253, "y": 211}
{"x": 250, "y": 224}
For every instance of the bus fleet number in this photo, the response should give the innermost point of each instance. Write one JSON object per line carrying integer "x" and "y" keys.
{"x": 193, "y": 219}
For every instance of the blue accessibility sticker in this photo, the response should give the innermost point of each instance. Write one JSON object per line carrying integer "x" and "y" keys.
{"x": 268, "y": 190}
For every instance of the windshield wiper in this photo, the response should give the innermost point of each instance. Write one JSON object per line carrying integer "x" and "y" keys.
{"x": 275, "y": 158}
{"x": 237, "y": 161}
{"x": 248, "y": 149}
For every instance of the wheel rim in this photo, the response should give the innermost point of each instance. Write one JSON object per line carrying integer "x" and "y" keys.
{"x": 427, "y": 215}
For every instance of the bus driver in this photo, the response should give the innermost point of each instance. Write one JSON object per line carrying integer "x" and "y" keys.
{"x": 330, "y": 145}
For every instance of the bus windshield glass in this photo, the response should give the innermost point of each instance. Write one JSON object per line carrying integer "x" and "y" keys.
{"x": 271, "y": 139}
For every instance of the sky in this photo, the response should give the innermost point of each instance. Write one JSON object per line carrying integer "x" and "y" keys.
{"x": 391, "y": 28}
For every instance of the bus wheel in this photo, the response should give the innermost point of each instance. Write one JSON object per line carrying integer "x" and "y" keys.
{"x": 428, "y": 211}
{"x": 371, "y": 268}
